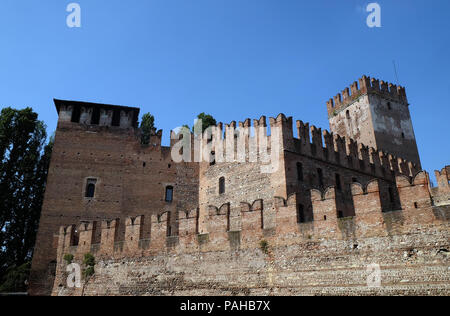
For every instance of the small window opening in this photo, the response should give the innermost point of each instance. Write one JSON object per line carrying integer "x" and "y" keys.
{"x": 416, "y": 205}
{"x": 324, "y": 217}
{"x": 212, "y": 159}
{"x": 169, "y": 194}
{"x": 222, "y": 185}
{"x": 347, "y": 114}
{"x": 144, "y": 164}
{"x": 403, "y": 135}
{"x": 76, "y": 113}
{"x": 95, "y": 116}
{"x": 389, "y": 106}
{"x": 116, "y": 118}
{"x": 90, "y": 188}
{"x": 340, "y": 214}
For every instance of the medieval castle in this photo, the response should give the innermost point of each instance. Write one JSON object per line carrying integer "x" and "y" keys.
{"x": 338, "y": 202}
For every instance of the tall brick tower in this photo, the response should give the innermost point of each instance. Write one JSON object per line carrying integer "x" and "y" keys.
{"x": 376, "y": 114}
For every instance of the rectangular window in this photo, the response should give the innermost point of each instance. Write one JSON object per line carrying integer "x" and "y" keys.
{"x": 76, "y": 113}
{"x": 95, "y": 116}
{"x": 169, "y": 194}
{"x": 90, "y": 188}
{"x": 116, "y": 118}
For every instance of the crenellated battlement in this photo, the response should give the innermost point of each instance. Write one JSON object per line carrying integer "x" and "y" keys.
{"x": 279, "y": 221}
{"x": 244, "y": 142}
{"x": 366, "y": 85}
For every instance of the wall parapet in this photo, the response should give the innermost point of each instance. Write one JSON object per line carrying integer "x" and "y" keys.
{"x": 279, "y": 223}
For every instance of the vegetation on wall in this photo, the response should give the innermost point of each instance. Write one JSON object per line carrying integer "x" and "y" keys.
{"x": 147, "y": 128}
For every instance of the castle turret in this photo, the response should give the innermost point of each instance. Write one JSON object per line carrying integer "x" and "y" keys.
{"x": 376, "y": 114}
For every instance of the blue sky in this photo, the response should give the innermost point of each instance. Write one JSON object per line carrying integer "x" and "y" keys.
{"x": 231, "y": 58}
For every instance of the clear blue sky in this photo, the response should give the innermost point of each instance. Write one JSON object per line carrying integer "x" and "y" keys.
{"x": 231, "y": 58}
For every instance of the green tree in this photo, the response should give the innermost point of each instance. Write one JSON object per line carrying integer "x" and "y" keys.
{"x": 23, "y": 172}
{"x": 147, "y": 128}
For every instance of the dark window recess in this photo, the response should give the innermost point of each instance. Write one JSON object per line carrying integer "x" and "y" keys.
{"x": 416, "y": 205}
{"x": 320, "y": 175}
{"x": 169, "y": 194}
{"x": 90, "y": 188}
{"x": 76, "y": 113}
{"x": 389, "y": 106}
{"x": 347, "y": 114}
{"x": 116, "y": 118}
{"x": 222, "y": 185}
{"x": 300, "y": 214}
{"x": 403, "y": 135}
{"x": 338, "y": 182}
{"x": 299, "y": 171}
{"x": 212, "y": 159}
{"x": 95, "y": 120}
{"x": 354, "y": 180}
{"x": 340, "y": 214}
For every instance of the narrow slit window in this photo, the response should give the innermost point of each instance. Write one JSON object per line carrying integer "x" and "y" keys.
{"x": 90, "y": 188}
{"x": 222, "y": 185}
{"x": 169, "y": 194}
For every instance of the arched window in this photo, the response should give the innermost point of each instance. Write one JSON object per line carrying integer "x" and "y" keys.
{"x": 222, "y": 185}
{"x": 90, "y": 188}
{"x": 169, "y": 194}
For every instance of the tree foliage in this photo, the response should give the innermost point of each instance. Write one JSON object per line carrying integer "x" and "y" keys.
{"x": 147, "y": 128}
{"x": 24, "y": 161}
{"x": 206, "y": 120}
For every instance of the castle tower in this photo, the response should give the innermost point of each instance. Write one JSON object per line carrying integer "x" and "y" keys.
{"x": 375, "y": 114}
